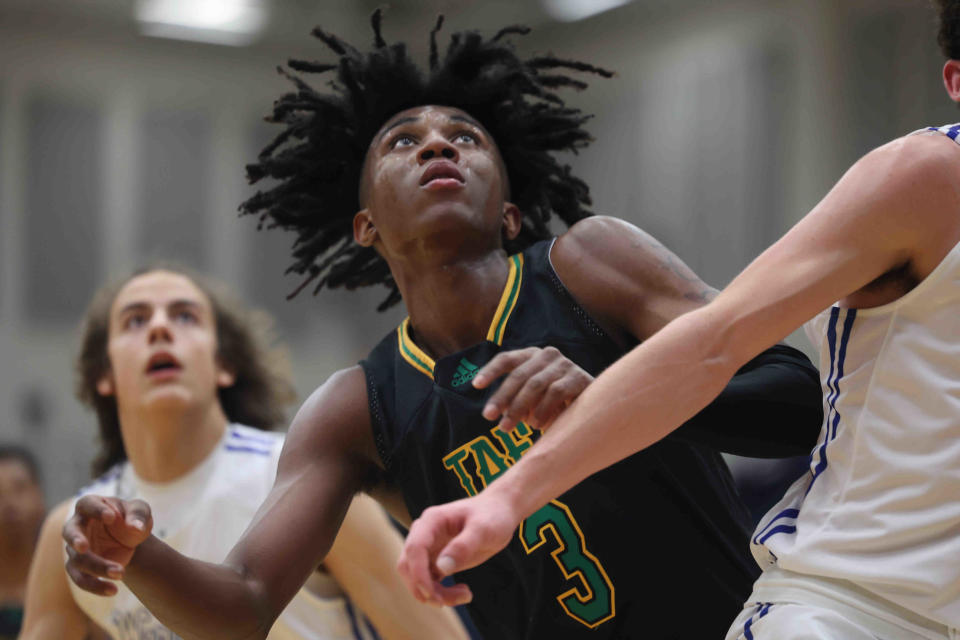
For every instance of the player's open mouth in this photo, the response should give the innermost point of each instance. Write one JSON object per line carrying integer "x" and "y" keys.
{"x": 441, "y": 174}
{"x": 162, "y": 365}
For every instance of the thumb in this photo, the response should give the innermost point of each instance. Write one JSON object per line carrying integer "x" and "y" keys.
{"x": 135, "y": 525}
{"x": 465, "y": 551}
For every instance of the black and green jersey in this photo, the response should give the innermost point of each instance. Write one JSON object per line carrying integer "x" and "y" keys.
{"x": 653, "y": 547}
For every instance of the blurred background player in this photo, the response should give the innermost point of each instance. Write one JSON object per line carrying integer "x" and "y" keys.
{"x": 21, "y": 514}
{"x": 441, "y": 186}
{"x": 862, "y": 545}
{"x": 184, "y": 387}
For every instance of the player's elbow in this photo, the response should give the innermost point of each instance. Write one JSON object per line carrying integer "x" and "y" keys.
{"x": 260, "y": 612}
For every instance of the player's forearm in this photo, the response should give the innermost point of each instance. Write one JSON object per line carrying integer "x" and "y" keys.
{"x": 637, "y": 401}
{"x": 197, "y": 599}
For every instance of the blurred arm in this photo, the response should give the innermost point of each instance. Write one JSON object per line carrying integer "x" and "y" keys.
{"x": 363, "y": 560}
{"x": 51, "y": 611}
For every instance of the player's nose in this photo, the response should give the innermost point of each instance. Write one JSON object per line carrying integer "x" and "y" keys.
{"x": 437, "y": 147}
{"x": 159, "y": 329}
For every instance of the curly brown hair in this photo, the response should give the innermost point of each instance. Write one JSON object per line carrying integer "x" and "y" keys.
{"x": 263, "y": 385}
{"x": 948, "y": 35}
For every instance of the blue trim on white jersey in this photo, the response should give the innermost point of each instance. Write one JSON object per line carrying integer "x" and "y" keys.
{"x": 236, "y": 434}
{"x": 762, "y": 609}
{"x": 352, "y": 615}
{"x": 786, "y": 513}
{"x": 780, "y": 528}
{"x": 820, "y": 452}
{"x": 847, "y": 326}
{"x": 240, "y": 449}
{"x": 785, "y": 521}
{"x": 840, "y": 356}
{"x": 952, "y": 131}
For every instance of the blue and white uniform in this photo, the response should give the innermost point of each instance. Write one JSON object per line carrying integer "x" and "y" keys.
{"x": 870, "y": 535}
{"x": 202, "y": 515}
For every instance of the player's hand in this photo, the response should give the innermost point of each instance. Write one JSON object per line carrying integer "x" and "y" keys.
{"x": 453, "y": 537}
{"x": 101, "y": 536}
{"x": 541, "y": 383}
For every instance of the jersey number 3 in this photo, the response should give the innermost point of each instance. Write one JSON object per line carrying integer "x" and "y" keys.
{"x": 594, "y": 604}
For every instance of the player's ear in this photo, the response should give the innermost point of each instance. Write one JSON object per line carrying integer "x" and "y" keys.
{"x": 512, "y": 219}
{"x": 105, "y": 386}
{"x": 225, "y": 377}
{"x": 951, "y": 79}
{"x": 364, "y": 231}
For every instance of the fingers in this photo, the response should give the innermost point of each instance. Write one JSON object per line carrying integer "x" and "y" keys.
{"x": 106, "y": 510}
{"x": 91, "y": 584}
{"x": 459, "y": 535}
{"x": 502, "y": 364}
{"x": 548, "y": 388}
{"x": 104, "y": 526}
{"x": 88, "y": 508}
{"x": 137, "y": 521}
{"x": 427, "y": 535}
{"x": 559, "y": 396}
{"x": 541, "y": 383}
{"x": 466, "y": 550}
{"x": 453, "y": 595}
{"x": 414, "y": 563}
{"x": 89, "y": 571}
{"x": 93, "y": 565}
{"x": 530, "y": 373}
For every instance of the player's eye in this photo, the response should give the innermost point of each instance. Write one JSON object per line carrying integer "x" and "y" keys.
{"x": 402, "y": 140}
{"x": 466, "y": 136}
{"x": 134, "y": 321}
{"x": 185, "y": 317}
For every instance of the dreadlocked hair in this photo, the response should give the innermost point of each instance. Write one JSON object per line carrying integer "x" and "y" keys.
{"x": 948, "y": 36}
{"x": 317, "y": 160}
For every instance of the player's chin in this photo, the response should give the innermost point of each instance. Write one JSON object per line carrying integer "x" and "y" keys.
{"x": 169, "y": 396}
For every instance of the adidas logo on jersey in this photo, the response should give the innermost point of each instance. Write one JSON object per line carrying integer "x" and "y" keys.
{"x": 466, "y": 371}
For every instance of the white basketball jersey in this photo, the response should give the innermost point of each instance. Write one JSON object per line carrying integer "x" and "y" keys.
{"x": 202, "y": 515}
{"x": 880, "y": 505}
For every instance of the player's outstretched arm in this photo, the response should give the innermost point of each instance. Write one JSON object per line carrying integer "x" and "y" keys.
{"x": 896, "y": 206}
{"x": 326, "y": 457}
{"x": 50, "y": 610}
{"x": 363, "y": 560}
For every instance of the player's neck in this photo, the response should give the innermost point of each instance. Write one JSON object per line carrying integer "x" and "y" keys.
{"x": 451, "y": 305}
{"x": 165, "y": 445}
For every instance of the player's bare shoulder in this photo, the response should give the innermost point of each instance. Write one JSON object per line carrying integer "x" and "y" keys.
{"x": 925, "y": 169}
{"x": 606, "y": 261}
{"x": 907, "y": 193}
{"x": 335, "y": 417}
{"x": 604, "y": 242}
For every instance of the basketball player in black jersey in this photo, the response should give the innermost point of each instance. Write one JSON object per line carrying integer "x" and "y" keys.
{"x": 456, "y": 186}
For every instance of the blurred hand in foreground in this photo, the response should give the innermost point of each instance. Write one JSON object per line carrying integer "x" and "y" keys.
{"x": 101, "y": 536}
